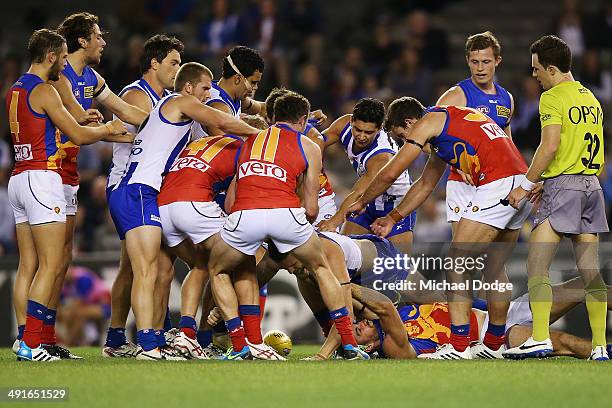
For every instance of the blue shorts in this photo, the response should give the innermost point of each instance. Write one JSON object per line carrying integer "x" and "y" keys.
{"x": 384, "y": 249}
{"x": 132, "y": 206}
{"x": 371, "y": 214}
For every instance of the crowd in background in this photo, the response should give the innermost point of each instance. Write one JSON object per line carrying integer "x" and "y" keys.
{"x": 332, "y": 52}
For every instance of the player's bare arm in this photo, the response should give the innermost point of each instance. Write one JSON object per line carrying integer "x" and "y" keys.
{"x": 123, "y": 110}
{"x": 83, "y": 117}
{"x": 545, "y": 153}
{"x": 191, "y": 107}
{"x": 373, "y": 167}
{"x": 45, "y": 98}
{"x": 429, "y": 126}
{"x": 453, "y": 96}
{"x": 311, "y": 178}
{"x": 333, "y": 132}
{"x": 395, "y": 344}
{"x": 416, "y": 196}
{"x": 253, "y": 107}
{"x": 212, "y": 130}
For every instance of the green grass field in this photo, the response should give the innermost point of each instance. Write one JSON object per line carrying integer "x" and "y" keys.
{"x": 98, "y": 382}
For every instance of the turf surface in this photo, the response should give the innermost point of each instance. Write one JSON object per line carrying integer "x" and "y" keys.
{"x": 112, "y": 383}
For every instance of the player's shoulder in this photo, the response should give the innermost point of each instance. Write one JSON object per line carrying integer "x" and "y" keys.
{"x": 455, "y": 95}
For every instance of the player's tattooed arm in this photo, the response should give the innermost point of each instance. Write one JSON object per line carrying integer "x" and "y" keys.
{"x": 82, "y": 116}
{"x": 310, "y": 184}
{"x": 253, "y": 107}
{"x": 414, "y": 198}
{"x": 429, "y": 126}
{"x": 373, "y": 166}
{"x": 334, "y": 131}
{"x": 213, "y": 130}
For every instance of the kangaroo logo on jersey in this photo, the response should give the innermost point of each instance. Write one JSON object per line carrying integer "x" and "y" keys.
{"x": 255, "y": 168}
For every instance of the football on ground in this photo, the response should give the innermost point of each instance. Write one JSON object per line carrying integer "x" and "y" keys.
{"x": 279, "y": 341}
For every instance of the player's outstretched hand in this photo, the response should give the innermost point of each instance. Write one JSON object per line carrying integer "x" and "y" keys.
{"x": 466, "y": 178}
{"x": 90, "y": 116}
{"x": 214, "y": 316}
{"x": 116, "y": 127}
{"x": 516, "y": 196}
{"x": 382, "y": 226}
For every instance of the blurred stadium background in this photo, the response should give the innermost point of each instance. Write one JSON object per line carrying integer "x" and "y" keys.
{"x": 333, "y": 52}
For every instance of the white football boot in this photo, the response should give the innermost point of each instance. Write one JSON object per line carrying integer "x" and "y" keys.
{"x": 599, "y": 353}
{"x": 530, "y": 349}
{"x": 157, "y": 354}
{"x": 188, "y": 348}
{"x": 38, "y": 354}
{"x": 127, "y": 350}
{"x": 447, "y": 352}
{"x": 264, "y": 352}
{"x": 480, "y": 351}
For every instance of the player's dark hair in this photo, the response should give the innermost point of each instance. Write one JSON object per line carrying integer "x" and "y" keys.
{"x": 401, "y": 109}
{"x": 75, "y": 26}
{"x": 291, "y": 107}
{"x": 190, "y": 72}
{"x": 158, "y": 47}
{"x": 369, "y": 110}
{"x": 42, "y": 42}
{"x": 272, "y": 97}
{"x": 551, "y": 50}
{"x": 482, "y": 41}
{"x": 246, "y": 59}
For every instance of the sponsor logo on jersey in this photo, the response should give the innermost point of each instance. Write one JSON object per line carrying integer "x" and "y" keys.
{"x": 77, "y": 93}
{"x": 255, "y": 168}
{"x": 88, "y": 92}
{"x": 493, "y": 130}
{"x": 155, "y": 218}
{"x": 545, "y": 117}
{"x": 502, "y": 111}
{"x": 190, "y": 163}
{"x": 23, "y": 152}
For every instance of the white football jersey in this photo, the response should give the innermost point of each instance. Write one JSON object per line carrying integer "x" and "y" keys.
{"x": 352, "y": 253}
{"x": 382, "y": 143}
{"x": 157, "y": 144}
{"x": 121, "y": 151}
{"x": 217, "y": 94}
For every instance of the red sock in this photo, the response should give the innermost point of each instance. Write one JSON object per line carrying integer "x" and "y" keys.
{"x": 32, "y": 332}
{"x": 48, "y": 334}
{"x": 189, "y": 332}
{"x": 345, "y": 329}
{"x": 493, "y": 342}
{"x": 237, "y": 338}
{"x": 460, "y": 342}
{"x": 252, "y": 328}
{"x": 262, "y": 306}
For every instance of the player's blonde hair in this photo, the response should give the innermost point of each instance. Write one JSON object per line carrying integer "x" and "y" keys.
{"x": 190, "y": 72}
{"x": 482, "y": 41}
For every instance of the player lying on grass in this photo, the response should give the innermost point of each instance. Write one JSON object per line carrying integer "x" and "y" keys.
{"x": 407, "y": 331}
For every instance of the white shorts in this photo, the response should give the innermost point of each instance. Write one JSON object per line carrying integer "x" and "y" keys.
{"x": 458, "y": 196}
{"x": 486, "y": 206}
{"x": 37, "y": 197}
{"x": 327, "y": 208}
{"x": 518, "y": 313}
{"x": 194, "y": 220}
{"x": 70, "y": 195}
{"x": 246, "y": 230}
